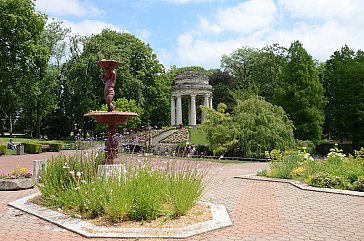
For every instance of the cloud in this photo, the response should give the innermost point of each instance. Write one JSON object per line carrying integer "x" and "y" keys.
{"x": 186, "y": 1}
{"x": 89, "y": 27}
{"x": 243, "y": 18}
{"x": 144, "y": 34}
{"x": 321, "y": 26}
{"x": 68, "y": 7}
{"x": 323, "y": 9}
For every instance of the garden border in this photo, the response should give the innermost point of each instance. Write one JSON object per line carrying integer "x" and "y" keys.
{"x": 220, "y": 219}
{"x": 301, "y": 185}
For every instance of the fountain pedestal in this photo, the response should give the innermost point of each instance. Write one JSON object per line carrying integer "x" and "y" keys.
{"x": 111, "y": 119}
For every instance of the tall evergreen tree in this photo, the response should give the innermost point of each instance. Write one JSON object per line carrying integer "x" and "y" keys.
{"x": 301, "y": 93}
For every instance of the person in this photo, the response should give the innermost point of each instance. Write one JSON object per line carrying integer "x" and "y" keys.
{"x": 109, "y": 77}
{"x": 11, "y": 145}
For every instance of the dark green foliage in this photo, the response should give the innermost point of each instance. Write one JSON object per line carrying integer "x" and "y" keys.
{"x": 343, "y": 79}
{"x": 32, "y": 148}
{"x": 301, "y": 94}
{"x": 2, "y": 149}
{"x": 222, "y": 83}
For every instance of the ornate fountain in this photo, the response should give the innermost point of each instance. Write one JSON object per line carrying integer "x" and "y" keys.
{"x": 111, "y": 118}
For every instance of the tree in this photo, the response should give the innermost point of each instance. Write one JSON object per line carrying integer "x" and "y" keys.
{"x": 20, "y": 28}
{"x": 344, "y": 84}
{"x": 137, "y": 77}
{"x": 255, "y": 127}
{"x": 255, "y": 71}
{"x": 124, "y": 105}
{"x": 240, "y": 64}
{"x": 222, "y": 83}
{"x": 42, "y": 89}
{"x": 301, "y": 94}
{"x": 268, "y": 69}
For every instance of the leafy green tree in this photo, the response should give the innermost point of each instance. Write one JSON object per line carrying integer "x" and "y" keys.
{"x": 267, "y": 70}
{"x": 255, "y": 71}
{"x": 125, "y": 105}
{"x": 41, "y": 91}
{"x": 240, "y": 64}
{"x": 255, "y": 127}
{"x": 301, "y": 93}
{"x": 137, "y": 76}
{"x": 344, "y": 83}
{"x": 20, "y": 28}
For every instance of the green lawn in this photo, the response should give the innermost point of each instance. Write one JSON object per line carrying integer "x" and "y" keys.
{"x": 198, "y": 137}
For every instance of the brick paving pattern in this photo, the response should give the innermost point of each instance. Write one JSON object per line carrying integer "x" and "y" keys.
{"x": 259, "y": 211}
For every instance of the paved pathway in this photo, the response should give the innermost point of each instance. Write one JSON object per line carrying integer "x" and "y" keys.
{"x": 259, "y": 211}
{"x": 9, "y": 162}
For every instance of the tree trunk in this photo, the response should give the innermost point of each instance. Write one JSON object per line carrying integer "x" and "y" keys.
{"x": 11, "y": 125}
{"x": 38, "y": 121}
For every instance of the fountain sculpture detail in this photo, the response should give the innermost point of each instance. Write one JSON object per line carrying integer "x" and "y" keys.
{"x": 111, "y": 118}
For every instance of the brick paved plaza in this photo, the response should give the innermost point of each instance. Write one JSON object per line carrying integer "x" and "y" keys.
{"x": 259, "y": 211}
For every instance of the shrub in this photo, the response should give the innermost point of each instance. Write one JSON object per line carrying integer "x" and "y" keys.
{"x": 358, "y": 185}
{"x": 32, "y": 148}
{"x": 306, "y": 146}
{"x": 283, "y": 168}
{"x": 2, "y": 149}
{"x": 203, "y": 149}
{"x": 297, "y": 172}
{"x": 55, "y": 146}
{"x": 326, "y": 180}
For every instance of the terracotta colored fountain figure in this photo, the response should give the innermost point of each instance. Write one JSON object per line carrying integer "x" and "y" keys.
{"x": 109, "y": 78}
{"x": 111, "y": 118}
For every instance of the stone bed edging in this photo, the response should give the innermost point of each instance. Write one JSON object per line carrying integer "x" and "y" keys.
{"x": 302, "y": 186}
{"x": 220, "y": 219}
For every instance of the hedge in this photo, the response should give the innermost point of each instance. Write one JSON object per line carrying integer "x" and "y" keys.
{"x": 55, "y": 146}
{"x": 32, "y": 148}
{"x": 2, "y": 149}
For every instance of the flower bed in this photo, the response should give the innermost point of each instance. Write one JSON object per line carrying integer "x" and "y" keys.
{"x": 145, "y": 190}
{"x": 335, "y": 171}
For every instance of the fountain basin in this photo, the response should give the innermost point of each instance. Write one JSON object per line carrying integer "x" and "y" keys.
{"x": 110, "y": 118}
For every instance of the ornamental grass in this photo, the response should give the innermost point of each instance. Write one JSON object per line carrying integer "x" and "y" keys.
{"x": 145, "y": 189}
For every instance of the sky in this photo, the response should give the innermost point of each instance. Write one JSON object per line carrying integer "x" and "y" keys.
{"x": 199, "y": 32}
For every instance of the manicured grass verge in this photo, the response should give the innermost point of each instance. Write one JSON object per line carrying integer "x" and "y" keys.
{"x": 198, "y": 137}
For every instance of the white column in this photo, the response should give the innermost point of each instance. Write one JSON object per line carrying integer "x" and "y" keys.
{"x": 189, "y": 112}
{"x": 173, "y": 111}
{"x": 179, "y": 110}
{"x": 205, "y": 103}
{"x": 193, "y": 110}
{"x": 211, "y": 102}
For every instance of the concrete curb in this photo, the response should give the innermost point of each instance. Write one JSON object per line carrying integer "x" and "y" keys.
{"x": 301, "y": 185}
{"x": 220, "y": 219}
